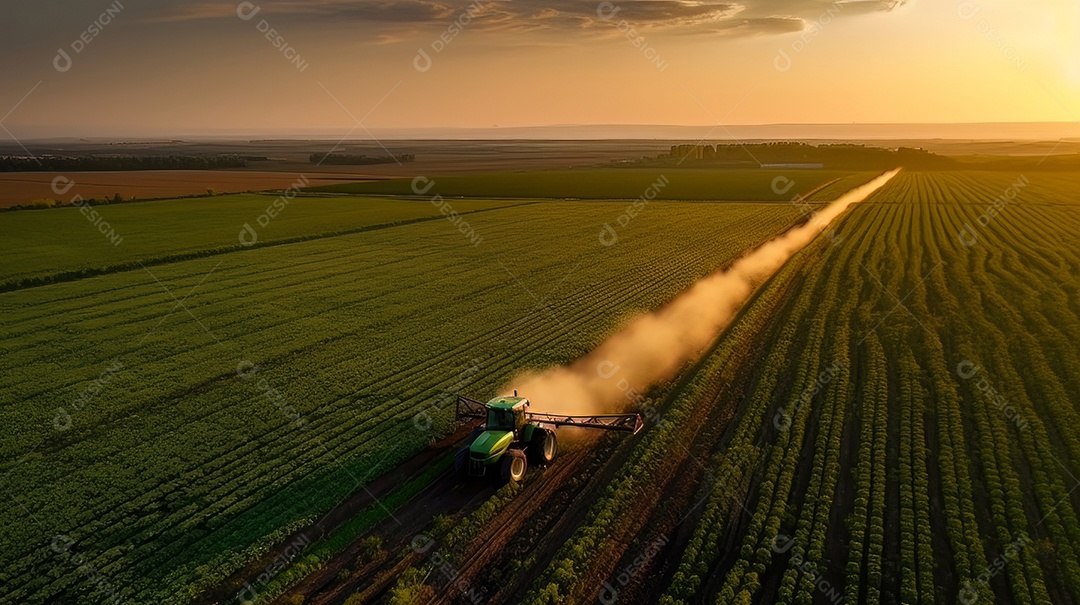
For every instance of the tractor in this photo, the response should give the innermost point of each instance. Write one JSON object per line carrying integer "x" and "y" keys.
{"x": 512, "y": 437}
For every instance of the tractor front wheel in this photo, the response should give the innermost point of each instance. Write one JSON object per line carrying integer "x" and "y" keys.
{"x": 543, "y": 447}
{"x": 513, "y": 466}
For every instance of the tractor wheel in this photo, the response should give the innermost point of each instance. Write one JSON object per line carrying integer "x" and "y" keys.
{"x": 461, "y": 462}
{"x": 513, "y": 466}
{"x": 543, "y": 447}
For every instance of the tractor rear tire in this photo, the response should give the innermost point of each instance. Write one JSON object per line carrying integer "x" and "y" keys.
{"x": 513, "y": 466}
{"x": 544, "y": 447}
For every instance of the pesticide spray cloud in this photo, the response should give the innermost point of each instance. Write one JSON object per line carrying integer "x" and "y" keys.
{"x": 653, "y": 347}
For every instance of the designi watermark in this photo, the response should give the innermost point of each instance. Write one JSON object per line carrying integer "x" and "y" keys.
{"x": 62, "y": 419}
{"x": 608, "y": 370}
{"x": 250, "y": 592}
{"x": 783, "y": 418}
{"x": 969, "y": 236}
{"x": 249, "y": 235}
{"x": 64, "y": 546}
{"x": 422, "y": 544}
{"x": 63, "y": 61}
{"x": 609, "y": 593}
{"x": 969, "y": 592}
{"x": 421, "y": 185}
{"x": 968, "y": 370}
{"x": 782, "y": 544}
{"x": 609, "y": 236}
{"x": 62, "y": 184}
{"x": 783, "y": 61}
{"x": 606, "y": 11}
{"x": 247, "y": 11}
{"x": 248, "y": 370}
{"x": 423, "y": 62}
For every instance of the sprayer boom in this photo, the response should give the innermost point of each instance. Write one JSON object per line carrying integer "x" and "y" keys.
{"x": 630, "y": 423}
{"x": 471, "y": 408}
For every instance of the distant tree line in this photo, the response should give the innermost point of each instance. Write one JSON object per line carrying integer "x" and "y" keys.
{"x": 844, "y": 155}
{"x": 46, "y": 203}
{"x": 119, "y": 162}
{"x": 358, "y": 160}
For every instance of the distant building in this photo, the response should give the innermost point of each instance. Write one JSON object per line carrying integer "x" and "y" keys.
{"x": 691, "y": 152}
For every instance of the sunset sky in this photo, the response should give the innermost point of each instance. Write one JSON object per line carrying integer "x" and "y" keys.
{"x": 158, "y": 67}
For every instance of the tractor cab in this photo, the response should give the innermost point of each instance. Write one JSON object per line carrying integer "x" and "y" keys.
{"x": 506, "y": 414}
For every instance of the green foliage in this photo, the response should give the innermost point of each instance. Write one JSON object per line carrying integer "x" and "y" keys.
{"x": 410, "y": 589}
{"x": 371, "y": 549}
{"x": 63, "y": 245}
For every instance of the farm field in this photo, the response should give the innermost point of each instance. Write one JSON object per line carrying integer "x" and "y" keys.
{"x": 25, "y": 187}
{"x": 182, "y": 418}
{"x": 40, "y": 242}
{"x": 620, "y": 183}
{"x": 888, "y": 421}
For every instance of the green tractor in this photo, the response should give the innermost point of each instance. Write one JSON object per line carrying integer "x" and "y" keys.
{"x": 512, "y": 437}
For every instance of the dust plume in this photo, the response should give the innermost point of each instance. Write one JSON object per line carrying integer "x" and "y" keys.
{"x": 653, "y": 347}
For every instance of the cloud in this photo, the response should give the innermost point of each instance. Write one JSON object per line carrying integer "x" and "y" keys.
{"x": 379, "y": 11}
{"x": 759, "y": 25}
{"x": 748, "y": 17}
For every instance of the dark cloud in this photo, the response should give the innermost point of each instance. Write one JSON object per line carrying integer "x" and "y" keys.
{"x": 759, "y": 25}
{"x": 748, "y": 17}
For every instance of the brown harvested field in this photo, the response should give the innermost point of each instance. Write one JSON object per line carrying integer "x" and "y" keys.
{"x": 285, "y": 160}
{"x": 24, "y": 187}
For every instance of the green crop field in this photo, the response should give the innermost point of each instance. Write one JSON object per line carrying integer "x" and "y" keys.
{"x": 620, "y": 183}
{"x": 657, "y": 302}
{"x": 150, "y": 445}
{"x": 899, "y": 422}
{"x": 888, "y": 419}
{"x": 66, "y": 242}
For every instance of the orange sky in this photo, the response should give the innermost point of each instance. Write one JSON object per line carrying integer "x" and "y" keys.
{"x": 169, "y": 67}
